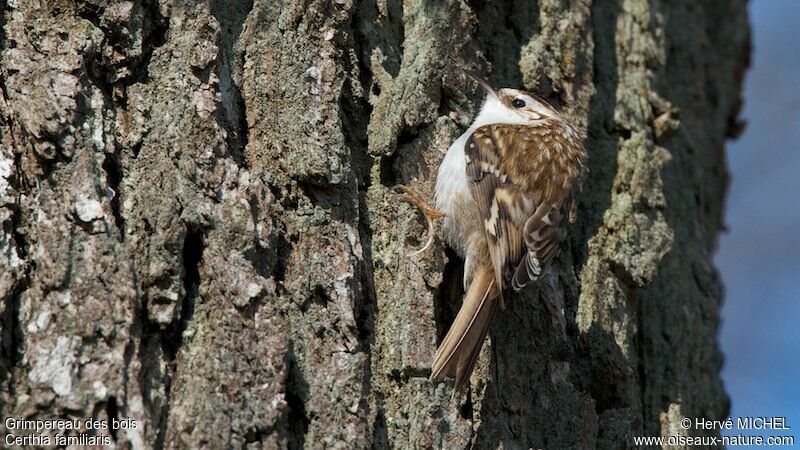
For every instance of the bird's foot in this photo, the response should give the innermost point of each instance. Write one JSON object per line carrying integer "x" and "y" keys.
{"x": 430, "y": 213}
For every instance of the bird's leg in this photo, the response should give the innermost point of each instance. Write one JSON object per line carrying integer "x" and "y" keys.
{"x": 431, "y": 213}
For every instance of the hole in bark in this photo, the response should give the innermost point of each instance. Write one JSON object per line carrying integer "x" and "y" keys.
{"x": 137, "y": 149}
{"x": 284, "y": 255}
{"x": 11, "y": 340}
{"x": 112, "y": 412}
{"x": 12, "y": 335}
{"x": 465, "y": 409}
{"x": 365, "y": 308}
{"x": 407, "y": 137}
{"x": 254, "y": 435}
{"x": 321, "y": 194}
{"x": 389, "y": 176}
{"x": 296, "y": 393}
{"x": 608, "y": 391}
{"x": 448, "y": 101}
{"x": 380, "y": 434}
{"x": 102, "y": 70}
{"x": 406, "y": 154}
{"x": 192, "y": 254}
{"x": 91, "y": 13}
{"x": 114, "y": 175}
{"x": 622, "y": 274}
{"x": 203, "y": 74}
{"x": 317, "y": 297}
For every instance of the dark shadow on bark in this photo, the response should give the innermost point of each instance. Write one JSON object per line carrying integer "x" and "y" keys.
{"x": 296, "y": 396}
{"x": 503, "y": 29}
{"x": 153, "y": 382}
{"x": 386, "y": 33}
{"x": 114, "y": 174}
{"x": 11, "y": 339}
{"x": 112, "y": 415}
{"x": 448, "y": 297}
{"x": 536, "y": 369}
{"x": 602, "y": 139}
{"x": 380, "y": 434}
{"x": 604, "y": 374}
{"x": 231, "y": 16}
{"x": 154, "y": 29}
{"x": 521, "y": 342}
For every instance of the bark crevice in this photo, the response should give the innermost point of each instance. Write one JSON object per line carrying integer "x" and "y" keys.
{"x": 231, "y": 16}
{"x": 296, "y": 394}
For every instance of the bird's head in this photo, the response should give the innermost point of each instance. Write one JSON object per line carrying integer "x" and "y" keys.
{"x": 512, "y": 106}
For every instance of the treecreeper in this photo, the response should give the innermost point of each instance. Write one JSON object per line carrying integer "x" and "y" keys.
{"x": 504, "y": 191}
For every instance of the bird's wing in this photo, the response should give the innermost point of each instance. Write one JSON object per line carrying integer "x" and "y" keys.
{"x": 543, "y": 233}
{"x": 500, "y": 200}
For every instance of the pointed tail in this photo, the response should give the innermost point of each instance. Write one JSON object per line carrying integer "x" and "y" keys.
{"x": 459, "y": 351}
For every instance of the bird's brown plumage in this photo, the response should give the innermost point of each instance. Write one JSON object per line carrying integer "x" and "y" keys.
{"x": 521, "y": 178}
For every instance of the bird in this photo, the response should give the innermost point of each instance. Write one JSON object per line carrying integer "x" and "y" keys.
{"x": 503, "y": 190}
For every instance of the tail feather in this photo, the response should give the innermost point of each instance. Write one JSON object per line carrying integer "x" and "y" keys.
{"x": 459, "y": 351}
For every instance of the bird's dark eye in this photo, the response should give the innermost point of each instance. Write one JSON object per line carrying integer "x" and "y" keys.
{"x": 518, "y": 103}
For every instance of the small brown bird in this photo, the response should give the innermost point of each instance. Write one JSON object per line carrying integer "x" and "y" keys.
{"x": 504, "y": 189}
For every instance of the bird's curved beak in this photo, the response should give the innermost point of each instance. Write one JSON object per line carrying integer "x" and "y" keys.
{"x": 483, "y": 83}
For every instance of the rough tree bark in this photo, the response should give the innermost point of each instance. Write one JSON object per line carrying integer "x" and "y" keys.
{"x": 199, "y": 233}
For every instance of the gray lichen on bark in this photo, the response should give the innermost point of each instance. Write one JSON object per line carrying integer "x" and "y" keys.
{"x": 199, "y": 232}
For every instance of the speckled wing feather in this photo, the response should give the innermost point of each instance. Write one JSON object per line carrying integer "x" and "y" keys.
{"x": 521, "y": 179}
{"x": 543, "y": 233}
{"x": 500, "y": 201}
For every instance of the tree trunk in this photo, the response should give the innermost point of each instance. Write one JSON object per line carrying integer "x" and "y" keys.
{"x": 199, "y": 231}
